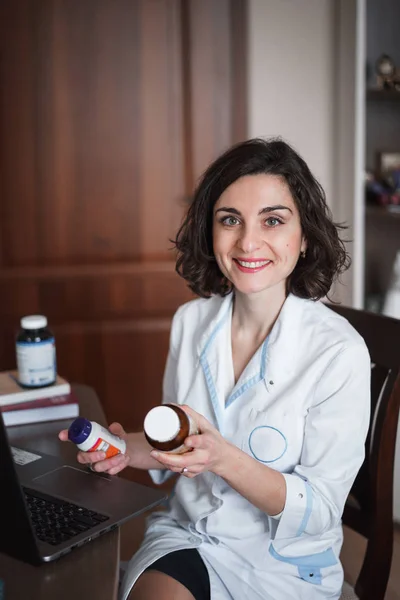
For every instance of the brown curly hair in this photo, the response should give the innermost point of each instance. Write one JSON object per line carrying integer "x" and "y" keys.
{"x": 326, "y": 256}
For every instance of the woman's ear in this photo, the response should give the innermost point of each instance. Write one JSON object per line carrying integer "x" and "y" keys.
{"x": 303, "y": 247}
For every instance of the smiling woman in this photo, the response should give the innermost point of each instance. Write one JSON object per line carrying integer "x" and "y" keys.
{"x": 257, "y": 235}
{"x": 266, "y": 179}
{"x": 277, "y": 383}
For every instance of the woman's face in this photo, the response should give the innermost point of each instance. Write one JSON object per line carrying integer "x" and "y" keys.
{"x": 257, "y": 236}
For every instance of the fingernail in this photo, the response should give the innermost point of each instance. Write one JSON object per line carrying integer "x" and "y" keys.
{"x": 155, "y": 453}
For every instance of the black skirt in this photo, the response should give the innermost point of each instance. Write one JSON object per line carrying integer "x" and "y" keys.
{"x": 187, "y": 567}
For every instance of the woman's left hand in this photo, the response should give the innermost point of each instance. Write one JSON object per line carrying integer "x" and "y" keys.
{"x": 208, "y": 450}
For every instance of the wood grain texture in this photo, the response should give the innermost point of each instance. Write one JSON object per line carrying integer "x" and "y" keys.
{"x": 210, "y": 50}
{"x": 91, "y": 124}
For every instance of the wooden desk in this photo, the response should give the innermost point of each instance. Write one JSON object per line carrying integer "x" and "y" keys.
{"x": 88, "y": 572}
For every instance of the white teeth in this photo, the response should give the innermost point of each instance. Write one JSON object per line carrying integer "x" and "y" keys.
{"x": 253, "y": 265}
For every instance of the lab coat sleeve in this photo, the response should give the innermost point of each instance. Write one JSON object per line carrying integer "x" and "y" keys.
{"x": 334, "y": 446}
{"x": 169, "y": 389}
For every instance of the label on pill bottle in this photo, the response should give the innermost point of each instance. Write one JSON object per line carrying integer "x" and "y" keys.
{"x": 102, "y": 446}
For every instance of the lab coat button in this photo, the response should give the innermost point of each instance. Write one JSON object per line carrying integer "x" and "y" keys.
{"x": 271, "y": 382}
{"x": 300, "y": 495}
{"x": 193, "y": 540}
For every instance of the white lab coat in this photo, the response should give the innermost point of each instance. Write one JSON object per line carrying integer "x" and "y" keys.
{"x": 301, "y": 406}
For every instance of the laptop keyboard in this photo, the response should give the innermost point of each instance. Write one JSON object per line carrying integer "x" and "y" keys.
{"x": 56, "y": 521}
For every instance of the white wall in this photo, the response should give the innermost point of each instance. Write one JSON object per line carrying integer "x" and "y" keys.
{"x": 302, "y": 86}
{"x": 292, "y": 76}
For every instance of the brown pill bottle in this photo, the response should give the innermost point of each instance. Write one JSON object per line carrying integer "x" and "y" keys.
{"x": 166, "y": 427}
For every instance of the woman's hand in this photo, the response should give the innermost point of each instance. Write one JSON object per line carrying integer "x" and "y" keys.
{"x": 97, "y": 461}
{"x": 208, "y": 450}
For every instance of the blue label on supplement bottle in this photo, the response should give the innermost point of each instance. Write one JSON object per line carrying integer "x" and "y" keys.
{"x": 36, "y": 362}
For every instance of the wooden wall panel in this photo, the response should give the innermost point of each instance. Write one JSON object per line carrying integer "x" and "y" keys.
{"x": 215, "y": 43}
{"x": 161, "y": 150}
{"x": 91, "y": 131}
{"x": 77, "y": 294}
{"x": 124, "y": 363}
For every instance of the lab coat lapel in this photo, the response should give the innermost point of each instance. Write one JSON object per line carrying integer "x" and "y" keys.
{"x": 283, "y": 342}
{"x": 216, "y": 358}
{"x": 278, "y": 356}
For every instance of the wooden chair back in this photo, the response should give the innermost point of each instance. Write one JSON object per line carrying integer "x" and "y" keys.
{"x": 369, "y": 509}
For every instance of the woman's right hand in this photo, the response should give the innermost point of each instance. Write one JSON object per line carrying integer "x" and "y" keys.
{"x": 96, "y": 460}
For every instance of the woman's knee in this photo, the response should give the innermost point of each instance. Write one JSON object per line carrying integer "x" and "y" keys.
{"x": 154, "y": 584}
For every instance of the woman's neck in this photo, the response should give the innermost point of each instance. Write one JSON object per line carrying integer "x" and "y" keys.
{"x": 255, "y": 314}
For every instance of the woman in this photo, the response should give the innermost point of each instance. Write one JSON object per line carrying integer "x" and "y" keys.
{"x": 277, "y": 383}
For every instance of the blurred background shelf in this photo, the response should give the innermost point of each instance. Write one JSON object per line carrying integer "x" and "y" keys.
{"x": 382, "y": 211}
{"x": 376, "y": 95}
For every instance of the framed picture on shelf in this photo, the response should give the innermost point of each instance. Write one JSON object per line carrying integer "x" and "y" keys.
{"x": 388, "y": 162}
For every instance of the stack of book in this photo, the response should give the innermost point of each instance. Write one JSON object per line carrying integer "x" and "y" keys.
{"x": 20, "y": 406}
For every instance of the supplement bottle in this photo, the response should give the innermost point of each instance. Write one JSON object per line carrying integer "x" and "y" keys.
{"x": 36, "y": 353}
{"x": 166, "y": 427}
{"x": 89, "y": 436}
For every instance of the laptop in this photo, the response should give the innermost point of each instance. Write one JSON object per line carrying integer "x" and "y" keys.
{"x": 48, "y": 507}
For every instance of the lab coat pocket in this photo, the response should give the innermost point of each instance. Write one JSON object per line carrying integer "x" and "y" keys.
{"x": 266, "y": 443}
{"x": 265, "y": 438}
{"x": 311, "y": 567}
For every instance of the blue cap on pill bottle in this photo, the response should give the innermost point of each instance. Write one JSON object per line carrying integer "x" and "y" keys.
{"x": 79, "y": 430}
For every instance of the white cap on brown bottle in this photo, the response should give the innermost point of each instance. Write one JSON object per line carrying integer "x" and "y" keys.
{"x": 162, "y": 424}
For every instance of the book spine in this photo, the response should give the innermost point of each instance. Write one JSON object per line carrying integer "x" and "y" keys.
{"x": 40, "y": 415}
{"x": 62, "y": 399}
{"x": 32, "y": 395}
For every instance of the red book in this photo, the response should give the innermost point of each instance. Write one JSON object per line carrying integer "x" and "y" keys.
{"x": 54, "y": 408}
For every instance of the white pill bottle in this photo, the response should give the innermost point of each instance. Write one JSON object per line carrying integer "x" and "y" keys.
{"x": 89, "y": 436}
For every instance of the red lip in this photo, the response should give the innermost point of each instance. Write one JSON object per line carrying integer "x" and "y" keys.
{"x": 251, "y": 270}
